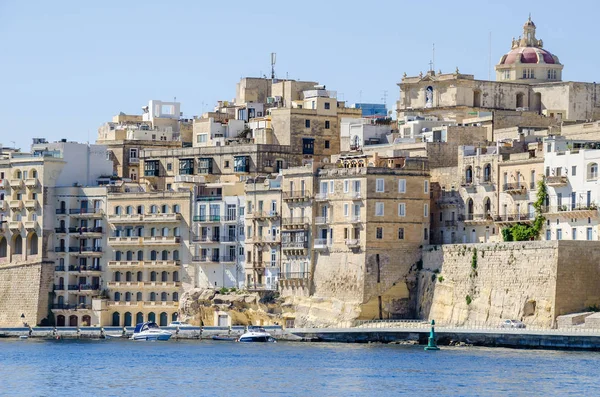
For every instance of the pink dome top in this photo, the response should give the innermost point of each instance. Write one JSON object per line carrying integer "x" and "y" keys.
{"x": 528, "y": 55}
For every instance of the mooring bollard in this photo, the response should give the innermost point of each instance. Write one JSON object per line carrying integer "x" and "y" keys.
{"x": 431, "y": 345}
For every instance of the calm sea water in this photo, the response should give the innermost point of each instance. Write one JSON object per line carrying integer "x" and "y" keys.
{"x": 207, "y": 368}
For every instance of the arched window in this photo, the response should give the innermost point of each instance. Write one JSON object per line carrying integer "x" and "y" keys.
{"x": 176, "y": 276}
{"x": 18, "y": 245}
{"x": 176, "y": 209}
{"x": 592, "y": 173}
{"x": 164, "y": 276}
{"x": 176, "y": 232}
{"x": 152, "y": 317}
{"x": 140, "y": 209}
{"x": 153, "y": 232}
{"x": 117, "y": 255}
{"x": 152, "y": 255}
{"x": 117, "y": 276}
{"x": 487, "y": 206}
{"x": 3, "y": 247}
{"x": 487, "y": 173}
{"x": 176, "y": 255}
{"x": 152, "y": 296}
{"x": 163, "y": 297}
{"x": 117, "y": 296}
{"x": 129, "y": 210}
{"x": 139, "y": 318}
{"x": 152, "y": 276}
{"x": 140, "y": 276}
{"x": 175, "y": 296}
{"x": 174, "y": 316}
{"x": 164, "y": 209}
{"x": 165, "y": 232}
{"x": 118, "y": 210}
{"x": 129, "y": 255}
{"x": 116, "y": 319}
{"x": 470, "y": 209}
{"x": 469, "y": 175}
{"x": 165, "y": 255}
{"x": 153, "y": 209}
{"x": 128, "y": 276}
{"x": 138, "y": 297}
{"x": 18, "y": 174}
{"x": 140, "y": 255}
{"x": 33, "y": 244}
{"x": 128, "y": 296}
{"x": 127, "y": 319}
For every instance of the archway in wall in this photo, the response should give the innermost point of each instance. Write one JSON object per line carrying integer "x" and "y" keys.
{"x": 476, "y": 99}
{"x": 139, "y": 318}
{"x": 152, "y": 317}
{"x": 3, "y": 248}
{"x": 86, "y": 321}
{"x": 32, "y": 244}
{"x": 116, "y": 319}
{"x": 73, "y": 321}
{"x": 17, "y": 245}
{"x": 519, "y": 103}
{"x": 127, "y": 319}
{"x": 537, "y": 102}
{"x": 60, "y": 320}
{"x": 174, "y": 316}
{"x": 163, "y": 319}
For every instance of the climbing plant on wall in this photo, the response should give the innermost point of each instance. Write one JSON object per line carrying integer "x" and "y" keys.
{"x": 523, "y": 232}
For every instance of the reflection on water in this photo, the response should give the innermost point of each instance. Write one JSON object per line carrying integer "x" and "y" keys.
{"x": 35, "y": 367}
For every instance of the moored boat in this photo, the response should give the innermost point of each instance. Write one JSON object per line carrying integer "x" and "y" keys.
{"x": 256, "y": 334}
{"x": 149, "y": 331}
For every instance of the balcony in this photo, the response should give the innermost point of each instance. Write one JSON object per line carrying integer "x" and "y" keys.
{"x": 15, "y": 205}
{"x": 355, "y": 219}
{"x": 160, "y": 304}
{"x": 60, "y": 249}
{"x": 31, "y": 204}
{"x": 321, "y": 196}
{"x": 451, "y": 223}
{"x": 61, "y": 211}
{"x": 287, "y": 277}
{"x": 142, "y": 264}
{"x": 59, "y": 287}
{"x": 449, "y": 199}
{"x": 262, "y": 287}
{"x": 87, "y": 251}
{"x": 230, "y": 218}
{"x": 85, "y": 269}
{"x": 31, "y": 183}
{"x": 207, "y": 218}
{"x": 60, "y": 268}
{"x": 70, "y": 306}
{"x": 134, "y": 160}
{"x": 297, "y": 195}
{"x": 355, "y": 195}
{"x": 514, "y": 188}
{"x": 162, "y": 218}
{"x": 573, "y": 211}
{"x": 60, "y": 230}
{"x": 162, "y": 240}
{"x": 229, "y": 239}
{"x": 510, "y": 219}
{"x": 353, "y": 243}
{"x": 16, "y": 184}
{"x": 321, "y": 244}
{"x": 321, "y": 220}
{"x": 15, "y": 225}
{"x": 30, "y": 225}
{"x": 294, "y": 245}
{"x": 86, "y": 212}
{"x": 265, "y": 215}
{"x": 556, "y": 181}
{"x": 477, "y": 218}
{"x": 84, "y": 288}
{"x": 209, "y": 198}
{"x": 3, "y": 205}
{"x": 206, "y": 259}
{"x": 228, "y": 259}
{"x": 86, "y": 232}
{"x": 295, "y": 222}
{"x": 124, "y": 241}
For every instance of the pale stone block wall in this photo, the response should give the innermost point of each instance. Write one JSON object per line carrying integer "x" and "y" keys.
{"x": 24, "y": 289}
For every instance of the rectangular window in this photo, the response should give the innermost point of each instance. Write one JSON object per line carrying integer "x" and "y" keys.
{"x": 380, "y": 186}
{"x": 330, "y": 186}
{"x": 326, "y": 144}
{"x": 226, "y": 164}
{"x": 401, "y": 185}
{"x": 205, "y": 165}
{"x": 400, "y": 233}
{"x": 186, "y": 166}
{"x": 346, "y": 186}
{"x": 151, "y": 168}
{"x": 356, "y": 186}
{"x": 425, "y": 234}
{"x": 241, "y": 164}
{"x": 327, "y": 105}
{"x": 308, "y": 146}
{"x": 379, "y": 209}
{"x": 307, "y": 123}
{"x": 327, "y": 125}
{"x": 426, "y": 187}
{"x": 133, "y": 153}
{"x": 588, "y": 233}
{"x": 574, "y": 170}
{"x": 426, "y": 210}
{"x": 548, "y": 235}
{"x": 401, "y": 209}
{"x": 574, "y": 234}
{"x": 201, "y": 138}
{"x": 346, "y": 209}
{"x": 169, "y": 166}
{"x": 379, "y": 233}
{"x": 345, "y": 233}
{"x": 559, "y": 234}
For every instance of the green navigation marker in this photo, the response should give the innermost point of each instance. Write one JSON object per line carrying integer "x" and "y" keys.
{"x": 431, "y": 345}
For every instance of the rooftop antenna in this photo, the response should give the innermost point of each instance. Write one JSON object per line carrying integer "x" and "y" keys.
{"x": 273, "y": 59}
{"x": 384, "y": 98}
{"x": 432, "y": 65}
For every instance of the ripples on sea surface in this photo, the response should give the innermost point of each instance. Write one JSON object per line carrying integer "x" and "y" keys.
{"x": 207, "y": 368}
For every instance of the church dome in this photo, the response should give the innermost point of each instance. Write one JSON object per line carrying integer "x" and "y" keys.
{"x": 528, "y": 55}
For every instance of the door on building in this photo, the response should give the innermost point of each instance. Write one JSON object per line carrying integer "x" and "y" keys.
{"x": 473, "y": 236}
{"x": 487, "y": 236}
{"x": 223, "y": 320}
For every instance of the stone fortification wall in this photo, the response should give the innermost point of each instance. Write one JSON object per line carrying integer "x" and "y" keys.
{"x": 24, "y": 289}
{"x": 531, "y": 281}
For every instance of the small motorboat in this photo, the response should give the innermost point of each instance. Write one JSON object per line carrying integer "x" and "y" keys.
{"x": 256, "y": 334}
{"x": 149, "y": 331}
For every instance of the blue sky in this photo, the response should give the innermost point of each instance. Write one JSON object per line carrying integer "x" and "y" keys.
{"x": 68, "y": 66}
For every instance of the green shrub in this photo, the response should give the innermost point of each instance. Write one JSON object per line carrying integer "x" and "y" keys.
{"x": 468, "y": 299}
{"x": 441, "y": 279}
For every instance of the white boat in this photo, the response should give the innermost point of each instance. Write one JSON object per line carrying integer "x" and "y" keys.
{"x": 256, "y": 334}
{"x": 150, "y": 331}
